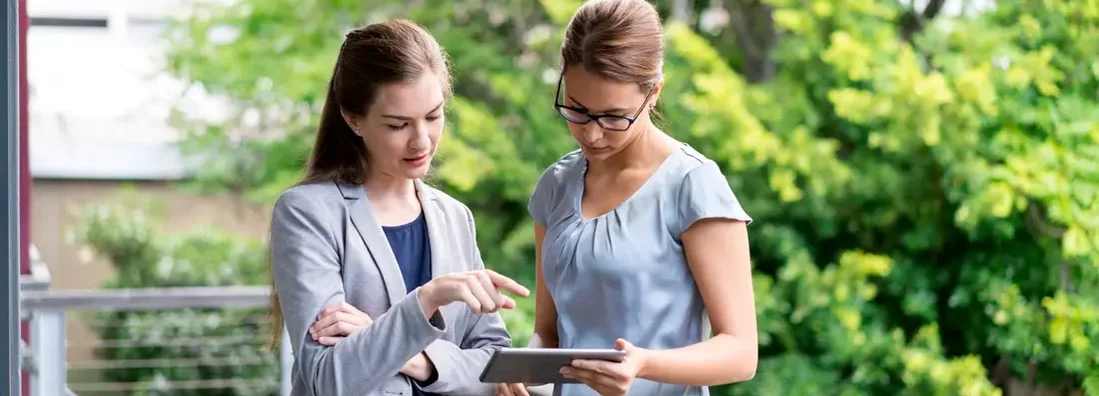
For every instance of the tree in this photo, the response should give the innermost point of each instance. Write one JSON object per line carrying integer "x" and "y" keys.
{"x": 924, "y": 185}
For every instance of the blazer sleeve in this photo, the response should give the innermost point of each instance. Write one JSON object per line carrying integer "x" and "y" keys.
{"x": 306, "y": 270}
{"x": 459, "y": 367}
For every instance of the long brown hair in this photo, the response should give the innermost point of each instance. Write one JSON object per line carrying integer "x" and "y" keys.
{"x": 620, "y": 40}
{"x": 373, "y": 56}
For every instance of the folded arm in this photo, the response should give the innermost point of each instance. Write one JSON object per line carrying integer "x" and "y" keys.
{"x": 306, "y": 271}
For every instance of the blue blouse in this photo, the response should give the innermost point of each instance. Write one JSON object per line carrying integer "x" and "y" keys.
{"x": 410, "y": 244}
{"x": 624, "y": 274}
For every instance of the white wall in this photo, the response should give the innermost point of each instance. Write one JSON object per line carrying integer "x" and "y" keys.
{"x": 138, "y": 9}
{"x": 99, "y": 100}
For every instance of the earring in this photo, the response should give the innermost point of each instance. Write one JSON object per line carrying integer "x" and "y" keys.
{"x": 356, "y": 132}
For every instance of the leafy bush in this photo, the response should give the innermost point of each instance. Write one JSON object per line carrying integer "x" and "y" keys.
{"x": 189, "y": 351}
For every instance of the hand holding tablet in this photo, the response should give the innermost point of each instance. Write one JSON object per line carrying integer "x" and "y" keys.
{"x": 539, "y": 365}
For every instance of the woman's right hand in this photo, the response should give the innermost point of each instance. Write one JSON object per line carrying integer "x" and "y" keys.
{"x": 480, "y": 290}
{"x": 511, "y": 390}
{"x": 337, "y": 321}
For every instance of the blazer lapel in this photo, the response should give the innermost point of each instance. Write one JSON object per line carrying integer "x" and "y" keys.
{"x": 436, "y": 230}
{"x": 362, "y": 218}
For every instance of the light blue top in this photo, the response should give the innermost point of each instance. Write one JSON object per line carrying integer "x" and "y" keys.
{"x": 623, "y": 274}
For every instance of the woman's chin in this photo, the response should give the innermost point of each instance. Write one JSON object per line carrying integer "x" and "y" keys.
{"x": 417, "y": 172}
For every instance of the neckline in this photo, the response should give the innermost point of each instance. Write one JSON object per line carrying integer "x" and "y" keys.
{"x": 578, "y": 200}
{"x": 407, "y": 225}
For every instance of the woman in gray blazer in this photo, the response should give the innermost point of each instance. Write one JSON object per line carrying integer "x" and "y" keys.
{"x": 377, "y": 276}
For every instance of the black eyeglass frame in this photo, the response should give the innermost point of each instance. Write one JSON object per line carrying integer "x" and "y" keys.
{"x": 557, "y": 105}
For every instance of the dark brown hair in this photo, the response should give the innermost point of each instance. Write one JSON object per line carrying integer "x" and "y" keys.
{"x": 620, "y": 40}
{"x": 390, "y": 52}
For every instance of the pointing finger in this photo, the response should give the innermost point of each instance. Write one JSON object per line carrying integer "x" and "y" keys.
{"x": 506, "y": 283}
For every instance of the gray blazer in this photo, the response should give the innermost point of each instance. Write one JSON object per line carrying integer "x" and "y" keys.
{"x": 327, "y": 247}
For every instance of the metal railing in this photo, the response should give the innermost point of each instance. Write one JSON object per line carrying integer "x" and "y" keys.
{"x": 179, "y": 341}
{"x": 186, "y": 340}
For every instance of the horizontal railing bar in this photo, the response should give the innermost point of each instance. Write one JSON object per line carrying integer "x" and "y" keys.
{"x": 260, "y": 322}
{"x": 164, "y": 363}
{"x": 146, "y": 299}
{"x": 28, "y": 284}
{"x": 177, "y": 342}
{"x": 173, "y": 385}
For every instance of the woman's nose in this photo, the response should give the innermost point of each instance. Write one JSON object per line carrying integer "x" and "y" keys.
{"x": 592, "y": 132}
{"x": 420, "y": 139}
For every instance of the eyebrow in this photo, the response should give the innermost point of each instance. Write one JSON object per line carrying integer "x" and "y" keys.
{"x": 407, "y": 118}
{"x": 613, "y": 110}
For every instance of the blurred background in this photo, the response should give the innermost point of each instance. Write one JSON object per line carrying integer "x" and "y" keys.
{"x": 924, "y": 178}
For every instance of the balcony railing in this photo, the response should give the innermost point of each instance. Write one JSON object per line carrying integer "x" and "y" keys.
{"x": 203, "y": 341}
{"x": 171, "y": 325}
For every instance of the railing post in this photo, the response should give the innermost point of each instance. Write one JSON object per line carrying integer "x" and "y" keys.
{"x": 286, "y": 362}
{"x": 48, "y": 346}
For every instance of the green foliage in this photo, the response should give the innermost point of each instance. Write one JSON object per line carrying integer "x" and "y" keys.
{"x": 192, "y": 346}
{"x": 926, "y": 218}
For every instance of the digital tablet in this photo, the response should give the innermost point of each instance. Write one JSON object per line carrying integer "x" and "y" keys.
{"x": 539, "y": 365}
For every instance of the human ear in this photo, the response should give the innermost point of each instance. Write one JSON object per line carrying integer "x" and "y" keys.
{"x": 353, "y": 121}
{"x": 656, "y": 93}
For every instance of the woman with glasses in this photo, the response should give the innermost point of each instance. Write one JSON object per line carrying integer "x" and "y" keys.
{"x": 641, "y": 244}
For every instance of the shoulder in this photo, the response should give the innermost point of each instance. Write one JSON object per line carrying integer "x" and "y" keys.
{"x": 563, "y": 167}
{"x": 548, "y": 191}
{"x": 311, "y": 199}
{"x": 701, "y": 190}
{"x": 559, "y": 172}
{"x": 694, "y": 167}
{"x": 314, "y": 209}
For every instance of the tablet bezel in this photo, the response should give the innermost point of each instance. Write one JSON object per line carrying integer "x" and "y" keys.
{"x": 539, "y": 365}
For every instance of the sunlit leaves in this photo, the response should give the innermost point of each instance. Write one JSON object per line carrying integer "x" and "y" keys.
{"x": 848, "y": 55}
{"x": 463, "y": 166}
{"x": 560, "y": 11}
{"x": 975, "y": 85}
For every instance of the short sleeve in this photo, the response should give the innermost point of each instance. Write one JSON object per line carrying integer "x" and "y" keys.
{"x": 544, "y": 196}
{"x": 705, "y": 193}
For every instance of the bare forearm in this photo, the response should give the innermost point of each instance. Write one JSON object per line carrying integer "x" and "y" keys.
{"x": 539, "y": 341}
{"x": 700, "y": 365}
{"x": 418, "y": 368}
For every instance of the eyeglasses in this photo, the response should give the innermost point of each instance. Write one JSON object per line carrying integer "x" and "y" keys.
{"x": 608, "y": 122}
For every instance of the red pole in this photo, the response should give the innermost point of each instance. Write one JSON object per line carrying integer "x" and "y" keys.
{"x": 24, "y": 169}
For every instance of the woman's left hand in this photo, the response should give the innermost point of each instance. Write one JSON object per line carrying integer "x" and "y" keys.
{"x": 338, "y": 321}
{"x": 609, "y": 378}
